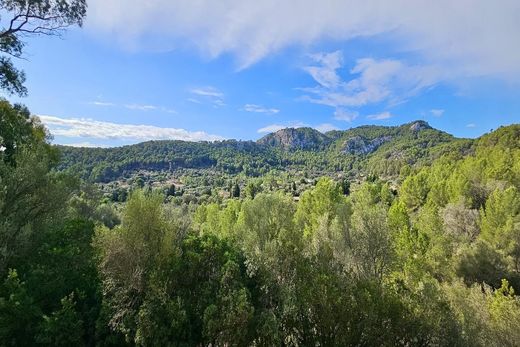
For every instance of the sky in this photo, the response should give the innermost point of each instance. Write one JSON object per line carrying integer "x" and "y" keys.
{"x": 203, "y": 70}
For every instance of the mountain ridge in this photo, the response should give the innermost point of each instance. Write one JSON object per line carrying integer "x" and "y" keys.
{"x": 371, "y": 148}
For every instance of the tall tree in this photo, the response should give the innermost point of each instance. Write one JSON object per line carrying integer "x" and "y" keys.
{"x": 26, "y": 18}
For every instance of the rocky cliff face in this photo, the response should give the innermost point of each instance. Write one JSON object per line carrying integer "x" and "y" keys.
{"x": 361, "y": 145}
{"x": 290, "y": 138}
{"x": 419, "y": 125}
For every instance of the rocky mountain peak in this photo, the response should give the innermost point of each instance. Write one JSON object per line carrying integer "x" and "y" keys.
{"x": 295, "y": 138}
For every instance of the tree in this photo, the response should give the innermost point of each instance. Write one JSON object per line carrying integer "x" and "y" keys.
{"x": 345, "y": 186}
{"x": 19, "y": 130}
{"x": 325, "y": 199}
{"x": 370, "y": 240}
{"x": 171, "y": 190}
{"x": 31, "y": 192}
{"x": 253, "y": 188}
{"x": 415, "y": 190}
{"x": 24, "y": 18}
{"x": 236, "y": 191}
{"x": 132, "y": 254}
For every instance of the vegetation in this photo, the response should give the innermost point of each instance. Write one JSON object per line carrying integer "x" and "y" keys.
{"x": 430, "y": 257}
{"x": 291, "y": 160}
{"x": 375, "y": 236}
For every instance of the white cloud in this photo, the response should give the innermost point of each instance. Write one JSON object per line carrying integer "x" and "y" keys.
{"x": 211, "y": 94}
{"x": 138, "y": 107}
{"x": 325, "y": 71}
{"x": 86, "y": 144}
{"x": 471, "y": 125}
{"x": 83, "y": 127}
{"x": 470, "y": 37}
{"x": 275, "y": 127}
{"x": 373, "y": 81}
{"x": 218, "y": 103}
{"x": 323, "y": 128}
{"x": 380, "y": 116}
{"x": 260, "y": 109}
{"x": 345, "y": 115}
{"x": 207, "y": 91}
{"x": 101, "y": 103}
{"x": 437, "y": 112}
{"x": 141, "y": 107}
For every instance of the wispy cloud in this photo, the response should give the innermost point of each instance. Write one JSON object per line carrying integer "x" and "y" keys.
{"x": 323, "y": 128}
{"x": 437, "y": 112}
{"x": 471, "y": 125}
{"x": 89, "y": 128}
{"x": 210, "y": 94}
{"x": 135, "y": 107}
{"x": 373, "y": 81}
{"x": 141, "y": 107}
{"x": 253, "y": 30}
{"x": 345, "y": 115}
{"x": 259, "y": 109}
{"x": 145, "y": 108}
{"x": 325, "y": 71}
{"x": 380, "y": 116}
{"x": 102, "y": 104}
{"x": 207, "y": 91}
{"x": 275, "y": 127}
{"x": 86, "y": 144}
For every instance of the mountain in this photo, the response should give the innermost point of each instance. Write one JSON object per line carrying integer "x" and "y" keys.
{"x": 381, "y": 150}
{"x": 296, "y": 138}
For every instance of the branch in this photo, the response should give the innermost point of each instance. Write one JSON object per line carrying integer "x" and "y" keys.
{"x": 41, "y": 29}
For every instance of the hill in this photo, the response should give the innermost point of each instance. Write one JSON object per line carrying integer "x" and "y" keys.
{"x": 363, "y": 150}
{"x": 288, "y": 155}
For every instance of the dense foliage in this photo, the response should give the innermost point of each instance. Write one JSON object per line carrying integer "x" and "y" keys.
{"x": 431, "y": 258}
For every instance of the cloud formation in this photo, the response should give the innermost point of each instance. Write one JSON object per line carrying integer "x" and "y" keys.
{"x": 275, "y": 127}
{"x": 437, "y": 112}
{"x": 260, "y": 109}
{"x": 210, "y": 94}
{"x": 89, "y": 128}
{"x": 345, "y": 115}
{"x": 86, "y": 144}
{"x": 471, "y": 37}
{"x": 372, "y": 81}
{"x": 102, "y": 104}
{"x": 208, "y": 91}
{"x": 323, "y": 128}
{"x": 380, "y": 116}
{"x": 135, "y": 107}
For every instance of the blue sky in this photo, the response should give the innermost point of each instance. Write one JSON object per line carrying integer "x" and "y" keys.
{"x": 225, "y": 70}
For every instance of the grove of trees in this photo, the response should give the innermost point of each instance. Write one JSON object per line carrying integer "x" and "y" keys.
{"x": 434, "y": 261}
{"x": 429, "y": 257}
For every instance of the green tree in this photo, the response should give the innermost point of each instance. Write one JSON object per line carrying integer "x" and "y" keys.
{"x": 235, "y": 193}
{"x": 63, "y": 327}
{"x": 414, "y": 190}
{"x": 21, "y": 19}
{"x": 130, "y": 254}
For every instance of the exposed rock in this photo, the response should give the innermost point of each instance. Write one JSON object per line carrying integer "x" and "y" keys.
{"x": 291, "y": 138}
{"x": 419, "y": 125}
{"x": 361, "y": 145}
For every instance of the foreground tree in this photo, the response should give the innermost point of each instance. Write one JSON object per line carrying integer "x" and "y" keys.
{"x": 25, "y": 18}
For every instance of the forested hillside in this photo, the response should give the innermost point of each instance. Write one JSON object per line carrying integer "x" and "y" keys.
{"x": 292, "y": 159}
{"x": 428, "y": 258}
